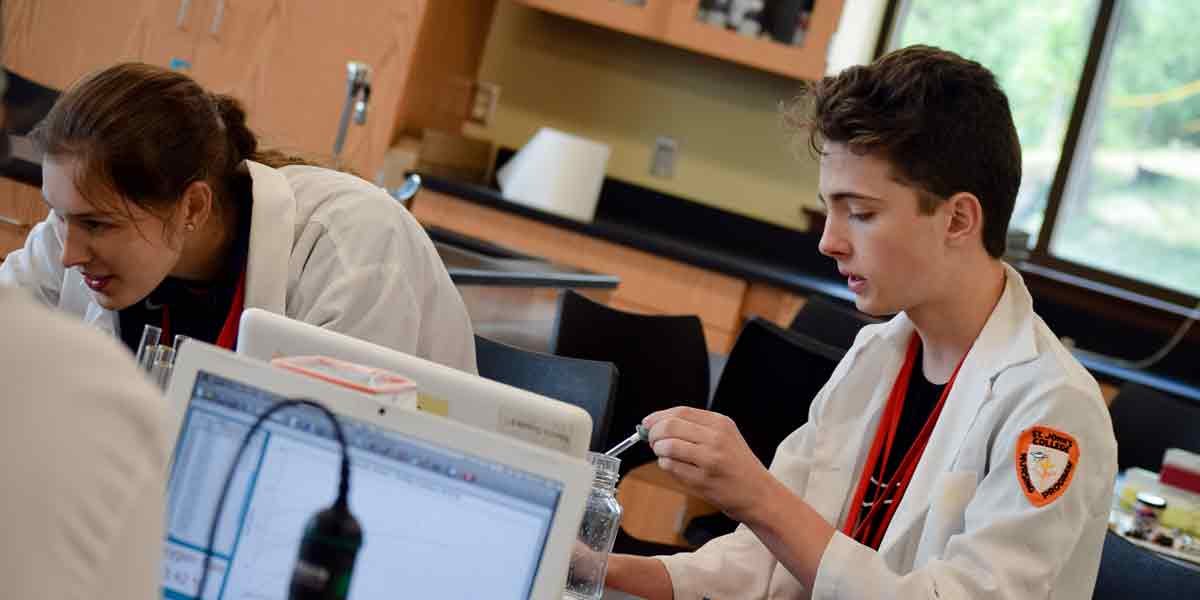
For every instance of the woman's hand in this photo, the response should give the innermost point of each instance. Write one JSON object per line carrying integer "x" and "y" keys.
{"x": 706, "y": 452}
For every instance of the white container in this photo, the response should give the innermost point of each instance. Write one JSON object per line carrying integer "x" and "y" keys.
{"x": 1181, "y": 469}
{"x": 556, "y": 172}
{"x": 380, "y": 385}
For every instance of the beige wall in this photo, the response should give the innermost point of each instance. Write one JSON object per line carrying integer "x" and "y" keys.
{"x": 624, "y": 91}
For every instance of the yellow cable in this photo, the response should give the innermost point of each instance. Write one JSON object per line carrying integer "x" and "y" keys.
{"x": 1158, "y": 98}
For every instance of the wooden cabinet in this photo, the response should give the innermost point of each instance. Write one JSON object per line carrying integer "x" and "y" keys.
{"x": 805, "y": 61}
{"x": 674, "y": 22}
{"x": 286, "y": 61}
{"x": 42, "y": 37}
{"x": 43, "y": 40}
{"x": 648, "y": 20}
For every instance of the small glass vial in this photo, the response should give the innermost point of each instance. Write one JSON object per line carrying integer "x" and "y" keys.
{"x": 148, "y": 346}
{"x": 601, "y": 518}
{"x": 1146, "y": 514}
{"x": 162, "y": 366}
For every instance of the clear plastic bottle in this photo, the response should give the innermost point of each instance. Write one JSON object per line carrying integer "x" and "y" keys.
{"x": 601, "y": 518}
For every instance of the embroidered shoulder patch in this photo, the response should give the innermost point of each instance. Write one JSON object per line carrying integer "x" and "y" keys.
{"x": 1046, "y": 461}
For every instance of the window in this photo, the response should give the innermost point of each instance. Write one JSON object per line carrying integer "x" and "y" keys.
{"x": 1106, "y": 100}
{"x": 1133, "y": 191}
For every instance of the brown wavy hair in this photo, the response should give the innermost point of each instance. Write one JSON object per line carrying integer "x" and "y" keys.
{"x": 941, "y": 120}
{"x": 147, "y": 133}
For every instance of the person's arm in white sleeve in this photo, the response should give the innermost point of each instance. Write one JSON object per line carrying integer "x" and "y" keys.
{"x": 37, "y": 266}
{"x": 84, "y": 446}
{"x": 1009, "y": 548}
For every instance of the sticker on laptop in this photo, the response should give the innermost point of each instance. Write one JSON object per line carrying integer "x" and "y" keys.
{"x": 532, "y": 427}
{"x": 1046, "y": 462}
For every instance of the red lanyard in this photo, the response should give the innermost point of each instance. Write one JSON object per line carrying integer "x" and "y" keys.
{"x": 862, "y": 530}
{"x": 229, "y": 331}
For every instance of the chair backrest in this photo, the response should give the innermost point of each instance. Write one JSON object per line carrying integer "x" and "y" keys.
{"x": 1128, "y": 571}
{"x": 26, "y": 102}
{"x": 1146, "y": 422}
{"x": 662, "y": 359}
{"x": 829, "y": 321}
{"x": 769, "y": 382}
{"x": 588, "y": 384}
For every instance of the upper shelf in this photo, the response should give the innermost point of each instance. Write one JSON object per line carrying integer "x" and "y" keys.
{"x": 674, "y": 22}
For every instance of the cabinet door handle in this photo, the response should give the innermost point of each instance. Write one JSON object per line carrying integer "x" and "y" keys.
{"x": 217, "y": 18}
{"x": 12, "y": 221}
{"x": 184, "y": 6}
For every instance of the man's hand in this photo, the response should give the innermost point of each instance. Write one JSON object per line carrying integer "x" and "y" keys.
{"x": 705, "y": 451}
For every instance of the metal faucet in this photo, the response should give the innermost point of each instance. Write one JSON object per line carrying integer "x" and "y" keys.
{"x": 358, "y": 93}
{"x": 404, "y": 194}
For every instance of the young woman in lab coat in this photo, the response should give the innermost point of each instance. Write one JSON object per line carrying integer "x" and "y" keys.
{"x": 164, "y": 211}
{"x": 958, "y": 450}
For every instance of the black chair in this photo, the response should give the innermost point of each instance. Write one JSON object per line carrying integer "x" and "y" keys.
{"x": 1146, "y": 422}
{"x": 829, "y": 321}
{"x": 663, "y": 362}
{"x": 588, "y": 384}
{"x": 25, "y": 103}
{"x": 768, "y": 384}
{"x": 1128, "y": 571}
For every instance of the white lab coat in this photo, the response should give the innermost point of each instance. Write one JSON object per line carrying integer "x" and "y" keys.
{"x": 326, "y": 248}
{"x": 964, "y": 528}
{"x": 84, "y": 441}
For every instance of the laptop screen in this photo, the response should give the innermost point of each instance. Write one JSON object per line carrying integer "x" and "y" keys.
{"x": 436, "y": 523}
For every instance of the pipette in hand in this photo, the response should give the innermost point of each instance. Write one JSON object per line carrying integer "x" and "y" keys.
{"x": 642, "y": 434}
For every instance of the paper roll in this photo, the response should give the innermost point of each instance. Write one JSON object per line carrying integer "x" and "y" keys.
{"x": 556, "y": 172}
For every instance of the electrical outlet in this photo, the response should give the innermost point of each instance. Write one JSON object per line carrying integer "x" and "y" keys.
{"x": 662, "y": 163}
{"x": 483, "y": 103}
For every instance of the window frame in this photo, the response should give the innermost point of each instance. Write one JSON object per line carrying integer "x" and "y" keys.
{"x": 1040, "y": 260}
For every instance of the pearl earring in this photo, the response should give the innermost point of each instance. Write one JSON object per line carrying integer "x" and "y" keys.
{"x": 190, "y": 226}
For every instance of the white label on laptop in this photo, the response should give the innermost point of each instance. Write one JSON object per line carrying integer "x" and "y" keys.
{"x": 524, "y": 425}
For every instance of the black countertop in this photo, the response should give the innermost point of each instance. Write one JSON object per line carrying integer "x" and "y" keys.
{"x": 741, "y": 247}
{"x": 468, "y": 267}
{"x": 26, "y": 102}
{"x": 472, "y": 261}
{"x": 685, "y": 239}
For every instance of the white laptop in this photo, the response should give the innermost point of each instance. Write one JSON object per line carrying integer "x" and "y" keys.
{"x": 441, "y": 390}
{"x": 447, "y": 510}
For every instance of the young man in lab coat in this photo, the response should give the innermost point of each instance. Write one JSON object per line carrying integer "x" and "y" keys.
{"x": 958, "y": 450}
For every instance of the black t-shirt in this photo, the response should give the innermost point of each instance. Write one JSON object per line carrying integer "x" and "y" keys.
{"x": 197, "y": 310}
{"x": 919, "y": 402}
